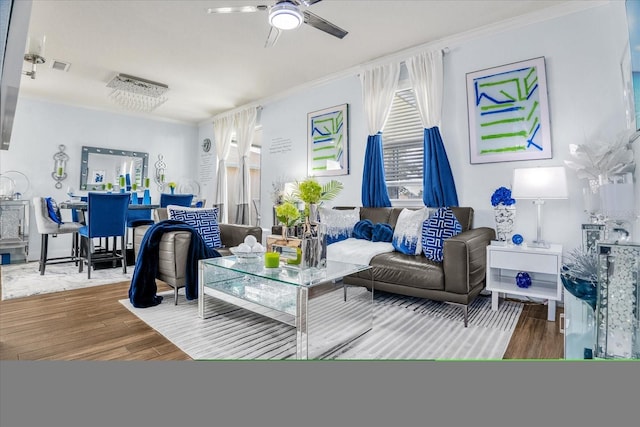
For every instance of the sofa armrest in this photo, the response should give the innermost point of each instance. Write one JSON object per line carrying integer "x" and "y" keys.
{"x": 465, "y": 259}
{"x": 234, "y": 234}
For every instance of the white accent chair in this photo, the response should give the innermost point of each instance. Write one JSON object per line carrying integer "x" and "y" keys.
{"x": 48, "y": 227}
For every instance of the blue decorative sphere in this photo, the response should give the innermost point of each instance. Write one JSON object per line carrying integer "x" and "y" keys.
{"x": 523, "y": 280}
{"x": 517, "y": 239}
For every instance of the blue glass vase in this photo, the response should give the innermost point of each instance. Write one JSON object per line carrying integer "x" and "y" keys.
{"x": 146, "y": 198}
{"x": 134, "y": 198}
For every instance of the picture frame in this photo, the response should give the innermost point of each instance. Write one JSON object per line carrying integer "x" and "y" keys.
{"x": 508, "y": 111}
{"x": 328, "y": 141}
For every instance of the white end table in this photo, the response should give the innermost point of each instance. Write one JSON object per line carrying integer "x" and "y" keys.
{"x": 543, "y": 265}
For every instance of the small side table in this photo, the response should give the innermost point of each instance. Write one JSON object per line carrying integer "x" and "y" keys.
{"x": 542, "y": 264}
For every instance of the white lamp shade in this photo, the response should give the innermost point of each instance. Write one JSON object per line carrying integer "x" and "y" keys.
{"x": 539, "y": 183}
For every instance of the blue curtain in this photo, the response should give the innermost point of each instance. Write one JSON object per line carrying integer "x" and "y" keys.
{"x": 437, "y": 180}
{"x": 374, "y": 186}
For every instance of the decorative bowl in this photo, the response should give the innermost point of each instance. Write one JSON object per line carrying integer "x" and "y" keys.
{"x": 581, "y": 289}
{"x": 243, "y": 255}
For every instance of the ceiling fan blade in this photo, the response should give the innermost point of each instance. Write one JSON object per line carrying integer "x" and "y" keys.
{"x": 237, "y": 9}
{"x": 309, "y": 2}
{"x": 272, "y": 38}
{"x": 323, "y": 25}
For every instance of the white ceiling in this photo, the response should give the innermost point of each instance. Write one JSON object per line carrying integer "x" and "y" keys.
{"x": 213, "y": 63}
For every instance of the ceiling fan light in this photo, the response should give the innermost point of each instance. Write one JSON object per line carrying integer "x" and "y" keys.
{"x": 285, "y": 16}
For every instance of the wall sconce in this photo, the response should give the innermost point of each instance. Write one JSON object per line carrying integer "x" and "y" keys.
{"x": 34, "y": 55}
{"x": 159, "y": 176}
{"x": 59, "y": 173}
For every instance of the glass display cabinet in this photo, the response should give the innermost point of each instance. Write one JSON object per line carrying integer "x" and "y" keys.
{"x": 618, "y": 309}
{"x": 14, "y": 227}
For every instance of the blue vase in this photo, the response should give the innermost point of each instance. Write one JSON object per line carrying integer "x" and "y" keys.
{"x": 134, "y": 198}
{"x": 146, "y": 198}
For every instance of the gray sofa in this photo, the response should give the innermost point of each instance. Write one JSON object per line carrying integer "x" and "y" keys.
{"x": 174, "y": 248}
{"x": 457, "y": 280}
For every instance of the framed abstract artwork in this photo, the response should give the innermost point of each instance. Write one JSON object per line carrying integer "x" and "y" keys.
{"x": 509, "y": 113}
{"x": 328, "y": 141}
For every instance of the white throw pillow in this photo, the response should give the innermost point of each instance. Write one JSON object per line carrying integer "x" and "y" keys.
{"x": 407, "y": 235}
{"x": 339, "y": 222}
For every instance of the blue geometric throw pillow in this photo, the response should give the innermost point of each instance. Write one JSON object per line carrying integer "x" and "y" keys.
{"x": 440, "y": 226}
{"x": 53, "y": 210}
{"x": 204, "y": 220}
{"x": 406, "y": 234}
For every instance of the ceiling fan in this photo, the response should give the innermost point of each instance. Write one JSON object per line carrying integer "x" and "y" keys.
{"x": 286, "y": 15}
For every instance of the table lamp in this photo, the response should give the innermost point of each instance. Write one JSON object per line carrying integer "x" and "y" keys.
{"x": 539, "y": 184}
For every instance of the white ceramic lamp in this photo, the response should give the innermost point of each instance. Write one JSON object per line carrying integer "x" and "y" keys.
{"x": 539, "y": 184}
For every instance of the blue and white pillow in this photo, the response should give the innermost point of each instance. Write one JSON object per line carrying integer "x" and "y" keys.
{"x": 406, "y": 234}
{"x": 53, "y": 210}
{"x": 204, "y": 220}
{"x": 440, "y": 226}
{"x": 339, "y": 223}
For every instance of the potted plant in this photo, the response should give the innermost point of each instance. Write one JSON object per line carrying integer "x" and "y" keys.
{"x": 312, "y": 193}
{"x": 288, "y": 215}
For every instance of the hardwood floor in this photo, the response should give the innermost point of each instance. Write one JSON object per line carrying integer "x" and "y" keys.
{"x": 90, "y": 324}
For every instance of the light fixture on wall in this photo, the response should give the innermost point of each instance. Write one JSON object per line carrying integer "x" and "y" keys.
{"x": 59, "y": 173}
{"x": 539, "y": 184}
{"x": 135, "y": 93}
{"x": 285, "y": 15}
{"x": 35, "y": 54}
{"x": 159, "y": 175}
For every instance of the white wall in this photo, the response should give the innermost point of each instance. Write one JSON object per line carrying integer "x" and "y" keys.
{"x": 41, "y": 126}
{"x": 582, "y": 52}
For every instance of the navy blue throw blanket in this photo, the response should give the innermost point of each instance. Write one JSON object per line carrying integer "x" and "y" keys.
{"x": 142, "y": 292}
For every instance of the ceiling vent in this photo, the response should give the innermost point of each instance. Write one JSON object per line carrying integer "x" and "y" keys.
{"x": 59, "y": 65}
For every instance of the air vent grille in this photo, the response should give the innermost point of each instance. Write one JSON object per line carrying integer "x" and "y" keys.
{"x": 59, "y": 65}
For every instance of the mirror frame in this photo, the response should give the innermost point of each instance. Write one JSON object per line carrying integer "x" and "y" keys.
{"x": 84, "y": 165}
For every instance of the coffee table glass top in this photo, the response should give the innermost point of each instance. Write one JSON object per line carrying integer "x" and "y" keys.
{"x": 288, "y": 274}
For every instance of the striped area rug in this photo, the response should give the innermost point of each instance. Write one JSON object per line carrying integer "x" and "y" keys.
{"x": 404, "y": 328}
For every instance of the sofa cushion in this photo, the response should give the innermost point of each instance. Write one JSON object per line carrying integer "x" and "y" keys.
{"x": 406, "y": 270}
{"x": 440, "y": 226}
{"x": 339, "y": 223}
{"x": 204, "y": 220}
{"x": 406, "y": 235}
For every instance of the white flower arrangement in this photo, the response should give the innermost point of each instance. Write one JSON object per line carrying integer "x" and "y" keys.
{"x": 601, "y": 157}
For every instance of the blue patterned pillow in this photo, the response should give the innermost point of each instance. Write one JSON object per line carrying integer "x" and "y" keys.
{"x": 440, "y": 226}
{"x": 406, "y": 234}
{"x": 204, "y": 220}
{"x": 339, "y": 222}
{"x": 53, "y": 210}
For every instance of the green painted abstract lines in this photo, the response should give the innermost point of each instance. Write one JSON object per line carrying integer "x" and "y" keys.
{"x": 508, "y": 113}
{"x": 328, "y": 141}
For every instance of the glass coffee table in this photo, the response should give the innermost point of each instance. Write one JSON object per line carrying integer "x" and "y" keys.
{"x": 325, "y": 313}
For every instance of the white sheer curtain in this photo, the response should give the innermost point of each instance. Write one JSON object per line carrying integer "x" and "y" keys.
{"x": 426, "y": 73}
{"x": 222, "y": 132}
{"x": 379, "y": 84}
{"x": 245, "y": 122}
{"x": 378, "y": 88}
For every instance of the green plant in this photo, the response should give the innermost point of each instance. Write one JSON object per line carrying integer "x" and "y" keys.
{"x": 287, "y": 214}
{"x": 310, "y": 191}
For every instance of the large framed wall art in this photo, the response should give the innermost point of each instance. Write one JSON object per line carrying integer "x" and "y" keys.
{"x": 328, "y": 141}
{"x": 509, "y": 113}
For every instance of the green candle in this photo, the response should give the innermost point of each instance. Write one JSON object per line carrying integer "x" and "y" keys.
{"x": 121, "y": 180}
{"x": 60, "y": 171}
{"x": 271, "y": 259}
{"x": 146, "y": 183}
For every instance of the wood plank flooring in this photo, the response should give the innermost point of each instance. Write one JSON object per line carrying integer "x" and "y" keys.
{"x": 90, "y": 324}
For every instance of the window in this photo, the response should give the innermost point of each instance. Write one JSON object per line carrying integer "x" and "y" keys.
{"x": 403, "y": 148}
{"x": 233, "y": 171}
